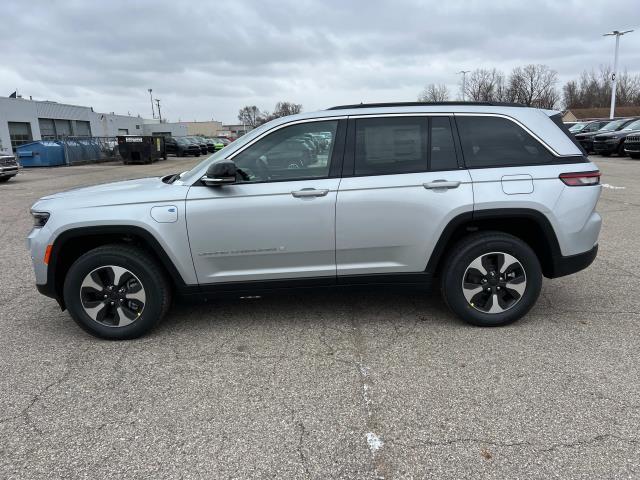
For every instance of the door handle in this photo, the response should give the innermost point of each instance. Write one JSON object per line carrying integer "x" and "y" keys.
{"x": 437, "y": 184}
{"x": 309, "y": 192}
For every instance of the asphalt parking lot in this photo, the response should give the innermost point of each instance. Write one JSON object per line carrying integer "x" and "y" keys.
{"x": 326, "y": 385}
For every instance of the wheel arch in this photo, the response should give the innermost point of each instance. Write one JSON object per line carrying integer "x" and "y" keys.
{"x": 531, "y": 226}
{"x": 72, "y": 243}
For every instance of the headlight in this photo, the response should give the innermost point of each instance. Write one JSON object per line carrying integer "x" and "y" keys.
{"x": 39, "y": 219}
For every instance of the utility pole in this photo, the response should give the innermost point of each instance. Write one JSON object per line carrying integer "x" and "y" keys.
{"x": 464, "y": 82}
{"x": 159, "y": 113}
{"x": 617, "y": 34}
{"x": 153, "y": 113}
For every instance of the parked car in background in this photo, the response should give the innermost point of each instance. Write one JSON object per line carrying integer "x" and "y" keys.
{"x": 219, "y": 144}
{"x": 203, "y": 146}
{"x": 586, "y": 139}
{"x": 181, "y": 147}
{"x": 208, "y": 142}
{"x": 224, "y": 140}
{"x": 588, "y": 126}
{"x": 8, "y": 167}
{"x": 613, "y": 142}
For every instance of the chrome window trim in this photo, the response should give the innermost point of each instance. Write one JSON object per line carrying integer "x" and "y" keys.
{"x": 281, "y": 126}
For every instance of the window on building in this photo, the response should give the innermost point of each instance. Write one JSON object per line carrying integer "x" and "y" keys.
{"x": 63, "y": 128}
{"x": 47, "y": 128}
{"x": 498, "y": 142}
{"x": 82, "y": 128}
{"x": 19, "y": 133}
{"x": 391, "y": 145}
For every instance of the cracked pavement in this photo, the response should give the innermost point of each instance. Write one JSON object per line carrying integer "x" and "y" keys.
{"x": 292, "y": 386}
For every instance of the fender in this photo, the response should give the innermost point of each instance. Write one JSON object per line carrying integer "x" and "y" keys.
{"x": 471, "y": 221}
{"x": 53, "y": 287}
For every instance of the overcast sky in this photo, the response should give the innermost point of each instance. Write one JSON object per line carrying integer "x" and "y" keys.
{"x": 207, "y": 59}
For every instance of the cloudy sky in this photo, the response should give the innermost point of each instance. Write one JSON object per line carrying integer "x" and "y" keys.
{"x": 206, "y": 59}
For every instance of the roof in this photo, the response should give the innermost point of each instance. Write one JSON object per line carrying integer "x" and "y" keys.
{"x": 603, "y": 112}
{"x": 425, "y": 104}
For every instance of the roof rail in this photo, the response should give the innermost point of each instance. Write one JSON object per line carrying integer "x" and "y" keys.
{"x": 425, "y": 104}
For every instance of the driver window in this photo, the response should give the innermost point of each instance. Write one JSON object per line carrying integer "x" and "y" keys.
{"x": 291, "y": 153}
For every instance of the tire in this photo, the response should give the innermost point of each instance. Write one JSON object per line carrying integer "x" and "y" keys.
{"x": 4, "y": 179}
{"x": 606, "y": 154}
{"x": 140, "y": 309}
{"x": 621, "y": 152}
{"x": 634, "y": 155}
{"x": 520, "y": 263}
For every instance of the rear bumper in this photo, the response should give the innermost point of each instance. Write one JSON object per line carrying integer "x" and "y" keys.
{"x": 573, "y": 263}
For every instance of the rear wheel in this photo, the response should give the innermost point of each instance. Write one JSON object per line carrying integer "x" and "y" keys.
{"x": 621, "y": 152}
{"x": 491, "y": 279}
{"x": 4, "y": 179}
{"x": 116, "y": 292}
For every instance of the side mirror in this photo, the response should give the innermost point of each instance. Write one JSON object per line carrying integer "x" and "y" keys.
{"x": 220, "y": 173}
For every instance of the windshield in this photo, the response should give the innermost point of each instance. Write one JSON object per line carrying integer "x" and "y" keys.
{"x": 578, "y": 126}
{"x": 633, "y": 126}
{"x": 612, "y": 126}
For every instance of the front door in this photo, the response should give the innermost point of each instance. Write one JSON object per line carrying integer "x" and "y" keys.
{"x": 278, "y": 221}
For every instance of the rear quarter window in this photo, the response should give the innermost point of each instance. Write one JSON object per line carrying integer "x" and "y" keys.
{"x": 498, "y": 142}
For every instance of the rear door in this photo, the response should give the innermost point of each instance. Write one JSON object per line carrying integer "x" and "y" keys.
{"x": 401, "y": 185}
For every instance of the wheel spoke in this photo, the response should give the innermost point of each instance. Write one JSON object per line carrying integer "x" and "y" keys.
{"x": 509, "y": 261}
{"x": 123, "y": 318}
{"x": 93, "y": 312}
{"x": 477, "y": 264}
{"x": 470, "y": 290}
{"x": 495, "y": 305}
{"x": 517, "y": 284}
{"x": 93, "y": 281}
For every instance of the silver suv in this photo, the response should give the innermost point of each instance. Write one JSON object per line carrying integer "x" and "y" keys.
{"x": 481, "y": 199}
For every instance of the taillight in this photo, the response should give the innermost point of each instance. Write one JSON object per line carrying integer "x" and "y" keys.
{"x": 581, "y": 179}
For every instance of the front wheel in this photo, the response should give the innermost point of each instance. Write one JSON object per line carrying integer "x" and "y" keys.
{"x": 491, "y": 279}
{"x": 116, "y": 292}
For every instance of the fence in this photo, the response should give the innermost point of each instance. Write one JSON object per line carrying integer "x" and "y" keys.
{"x": 79, "y": 150}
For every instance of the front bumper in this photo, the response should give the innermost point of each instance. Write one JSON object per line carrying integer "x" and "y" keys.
{"x": 606, "y": 146}
{"x": 9, "y": 171}
{"x": 573, "y": 263}
{"x": 632, "y": 147}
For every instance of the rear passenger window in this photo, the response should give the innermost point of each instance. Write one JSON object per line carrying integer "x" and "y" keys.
{"x": 443, "y": 151}
{"x": 391, "y": 145}
{"x": 498, "y": 142}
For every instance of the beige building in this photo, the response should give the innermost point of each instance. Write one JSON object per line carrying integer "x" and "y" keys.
{"x": 208, "y": 129}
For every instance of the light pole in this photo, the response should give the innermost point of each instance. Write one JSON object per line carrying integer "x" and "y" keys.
{"x": 464, "y": 82}
{"x": 617, "y": 34}
{"x": 159, "y": 114}
{"x": 153, "y": 113}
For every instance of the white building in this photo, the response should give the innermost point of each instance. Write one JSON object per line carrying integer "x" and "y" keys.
{"x": 23, "y": 121}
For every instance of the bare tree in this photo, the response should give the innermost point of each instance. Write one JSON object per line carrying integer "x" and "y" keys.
{"x": 483, "y": 85}
{"x": 282, "y": 110}
{"x": 250, "y": 116}
{"x": 534, "y": 86}
{"x": 434, "y": 93}
{"x": 593, "y": 89}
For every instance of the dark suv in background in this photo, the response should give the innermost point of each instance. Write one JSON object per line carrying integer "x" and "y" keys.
{"x": 586, "y": 139}
{"x": 181, "y": 147}
{"x": 613, "y": 142}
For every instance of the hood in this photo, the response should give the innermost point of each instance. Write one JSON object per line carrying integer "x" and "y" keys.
{"x": 128, "y": 192}
{"x": 125, "y": 187}
{"x": 617, "y": 134}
